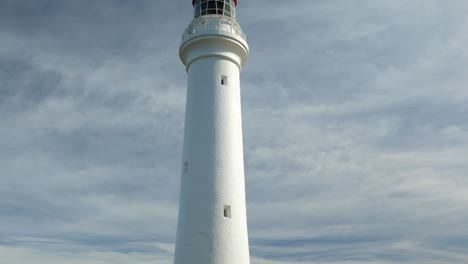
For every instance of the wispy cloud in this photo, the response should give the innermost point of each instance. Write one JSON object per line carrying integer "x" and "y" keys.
{"x": 354, "y": 127}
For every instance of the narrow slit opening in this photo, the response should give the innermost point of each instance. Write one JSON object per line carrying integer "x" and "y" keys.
{"x": 186, "y": 167}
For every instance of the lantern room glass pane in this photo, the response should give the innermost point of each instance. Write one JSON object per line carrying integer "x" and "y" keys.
{"x": 213, "y": 7}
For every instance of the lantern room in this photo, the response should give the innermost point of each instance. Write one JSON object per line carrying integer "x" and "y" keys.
{"x": 215, "y": 7}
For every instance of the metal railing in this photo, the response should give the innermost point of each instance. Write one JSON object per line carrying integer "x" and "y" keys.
{"x": 213, "y": 22}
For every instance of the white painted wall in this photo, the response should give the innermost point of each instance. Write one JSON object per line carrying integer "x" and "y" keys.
{"x": 213, "y": 151}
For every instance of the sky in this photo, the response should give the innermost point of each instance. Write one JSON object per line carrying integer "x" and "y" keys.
{"x": 354, "y": 119}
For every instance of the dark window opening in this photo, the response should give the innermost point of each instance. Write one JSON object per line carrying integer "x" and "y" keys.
{"x": 227, "y": 211}
{"x": 223, "y": 80}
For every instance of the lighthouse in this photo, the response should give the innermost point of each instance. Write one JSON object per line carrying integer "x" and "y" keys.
{"x": 212, "y": 222}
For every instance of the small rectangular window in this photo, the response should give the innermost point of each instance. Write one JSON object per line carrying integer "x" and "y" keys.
{"x": 224, "y": 80}
{"x": 186, "y": 167}
{"x": 227, "y": 211}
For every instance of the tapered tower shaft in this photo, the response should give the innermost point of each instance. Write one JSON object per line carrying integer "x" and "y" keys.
{"x": 212, "y": 224}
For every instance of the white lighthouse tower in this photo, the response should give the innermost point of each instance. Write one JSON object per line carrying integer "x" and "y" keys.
{"x": 212, "y": 225}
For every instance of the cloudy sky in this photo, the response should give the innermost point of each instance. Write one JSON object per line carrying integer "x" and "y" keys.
{"x": 355, "y": 130}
